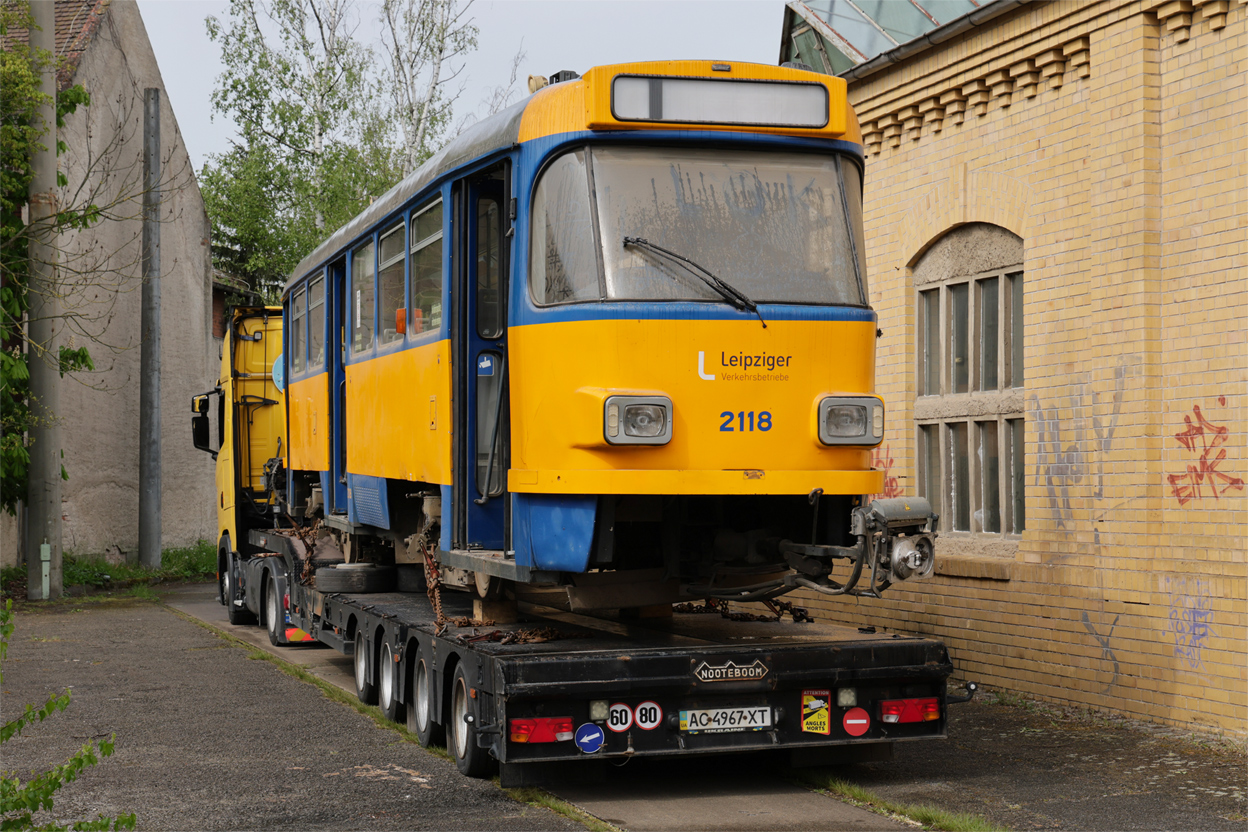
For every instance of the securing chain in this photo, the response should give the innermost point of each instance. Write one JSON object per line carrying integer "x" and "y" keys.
{"x": 433, "y": 581}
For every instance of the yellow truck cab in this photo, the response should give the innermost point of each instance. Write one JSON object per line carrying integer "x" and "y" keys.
{"x": 248, "y": 445}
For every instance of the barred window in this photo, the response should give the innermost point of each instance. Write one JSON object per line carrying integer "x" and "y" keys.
{"x": 970, "y": 373}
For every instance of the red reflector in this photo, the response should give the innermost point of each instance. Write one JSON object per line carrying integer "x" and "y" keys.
{"x": 542, "y": 729}
{"x": 910, "y": 710}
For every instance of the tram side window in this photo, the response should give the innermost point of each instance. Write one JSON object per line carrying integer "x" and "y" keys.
{"x": 426, "y": 271}
{"x": 390, "y": 281}
{"x": 298, "y": 322}
{"x": 489, "y": 308}
{"x": 363, "y": 269}
{"x": 316, "y": 324}
{"x": 563, "y": 263}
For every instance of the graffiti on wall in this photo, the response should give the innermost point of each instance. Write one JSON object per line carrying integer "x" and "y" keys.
{"x": 1107, "y": 651}
{"x": 1203, "y": 477}
{"x": 1191, "y": 618}
{"x": 882, "y": 460}
{"x": 1061, "y": 460}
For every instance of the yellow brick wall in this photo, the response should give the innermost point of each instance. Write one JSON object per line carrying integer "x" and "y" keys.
{"x": 1111, "y": 136}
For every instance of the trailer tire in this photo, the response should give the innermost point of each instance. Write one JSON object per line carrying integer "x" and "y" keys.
{"x": 420, "y": 719}
{"x": 237, "y": 613}
{"x": 355, "y": 578}
{"x": 471, "y": 759}
{"x": 388, "y": 684}
{"x": 365, "y": 688}
{"x": 274, "y": 614}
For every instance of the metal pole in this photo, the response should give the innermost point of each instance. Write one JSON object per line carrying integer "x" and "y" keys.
{"x": 149, "y": 356}
{"x": 43, "y": 535}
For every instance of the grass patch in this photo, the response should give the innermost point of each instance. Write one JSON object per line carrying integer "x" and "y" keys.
{"x": 545, "y": 800}
{"x": 192, "y": 563}
{"x": 927, "y": 816}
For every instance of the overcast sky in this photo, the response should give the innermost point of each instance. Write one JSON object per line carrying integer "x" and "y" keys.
{"x": 555, "y": 34}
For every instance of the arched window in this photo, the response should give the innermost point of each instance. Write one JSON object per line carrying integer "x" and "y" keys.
{"x": 970, "y": 371}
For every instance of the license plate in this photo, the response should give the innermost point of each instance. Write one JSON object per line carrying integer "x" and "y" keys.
{"x": 721, "y": 720}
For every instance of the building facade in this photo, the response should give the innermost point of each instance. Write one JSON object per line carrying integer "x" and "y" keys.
{"x": 1057, "y": 241}
{"x": 106, "y": 49}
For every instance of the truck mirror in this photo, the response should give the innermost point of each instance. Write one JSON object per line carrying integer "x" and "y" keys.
{"x": 199, "y": 404}
{"x": 199, "y": 432}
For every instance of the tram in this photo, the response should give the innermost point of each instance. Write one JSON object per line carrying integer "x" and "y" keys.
{"x": 614, "y": 339}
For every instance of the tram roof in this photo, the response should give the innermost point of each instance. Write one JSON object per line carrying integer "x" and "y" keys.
{"x": 483, "y": 137}
{"x": 585, "y": 103}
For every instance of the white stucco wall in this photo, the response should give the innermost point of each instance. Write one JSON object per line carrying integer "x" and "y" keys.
{"x": 100, "y": 410}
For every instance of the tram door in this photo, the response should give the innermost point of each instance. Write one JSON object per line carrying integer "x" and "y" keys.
{"x": 481, "y": 404}
{"x": 336, "y": 499}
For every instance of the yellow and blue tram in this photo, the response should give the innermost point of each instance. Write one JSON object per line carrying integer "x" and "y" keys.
{"x": 615, "y": 336}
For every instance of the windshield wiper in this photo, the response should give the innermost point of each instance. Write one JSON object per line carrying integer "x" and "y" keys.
{"x": 721, "y": 287}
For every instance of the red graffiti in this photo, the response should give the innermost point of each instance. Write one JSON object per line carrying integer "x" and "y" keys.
{"x": 881, "y": 460}
{"x": 1207, "y": 439}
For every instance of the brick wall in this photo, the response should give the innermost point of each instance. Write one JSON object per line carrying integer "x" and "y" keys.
{"x": 1111, "y": 137}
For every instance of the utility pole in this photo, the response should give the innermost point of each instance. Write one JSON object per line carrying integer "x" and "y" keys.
{"x": 43, "y": 537}
{"x": 149, "y": 356}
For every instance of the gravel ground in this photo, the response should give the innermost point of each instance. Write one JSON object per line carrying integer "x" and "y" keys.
{"x": 194, "y": 721}
{"x": 194, "y": 718}
{"x": 1024, "y": 766}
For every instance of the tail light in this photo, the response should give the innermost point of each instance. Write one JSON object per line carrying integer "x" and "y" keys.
{"x": 910, "y": 710}
{"x": 542, "y": 729}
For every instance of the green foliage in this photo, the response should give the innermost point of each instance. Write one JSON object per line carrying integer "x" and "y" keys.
{"x": 21, "y": 135}
{"x": 193, "y": 563}
{"x": 313, "y": 151}
{"x": 20, "y": 801}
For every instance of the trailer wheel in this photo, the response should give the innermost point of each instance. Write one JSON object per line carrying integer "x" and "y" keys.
{"x": 274, "y": 614}
{"x": 470, "y": 758}
{"x": 364, "y": 687}
{"x": 388, "y": 684}
{"x": 236, "y": 611}
{"x": 355, "y": 578}
{"x": 420, "y": 704}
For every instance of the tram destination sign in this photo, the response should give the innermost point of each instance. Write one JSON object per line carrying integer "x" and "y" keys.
{"x": 730, "y": 672}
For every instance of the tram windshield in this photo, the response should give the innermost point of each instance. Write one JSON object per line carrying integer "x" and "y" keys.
{"x": 780, "y": 227}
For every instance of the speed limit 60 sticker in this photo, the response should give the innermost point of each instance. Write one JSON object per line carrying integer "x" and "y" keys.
{"x": 647, "y": 715}
{"x": 620, "y": 718}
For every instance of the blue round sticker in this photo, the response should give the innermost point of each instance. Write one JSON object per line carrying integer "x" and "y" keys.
{"x": 589, "y": 737}
{"x": 279, "y": 374}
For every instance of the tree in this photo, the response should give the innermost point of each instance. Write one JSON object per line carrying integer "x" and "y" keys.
{"x": 324, "y": 129}
{"x": 100, "y": 181}
{"x": 421, "y": 37}
{"x": 300, "y": 86}
{"x": 22, "y": 134}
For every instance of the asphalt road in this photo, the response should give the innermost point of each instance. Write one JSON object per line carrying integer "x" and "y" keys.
{"x": 198, "y": 749}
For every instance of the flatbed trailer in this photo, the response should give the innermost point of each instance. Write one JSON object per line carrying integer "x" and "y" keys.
{"x": 563, "y": 687}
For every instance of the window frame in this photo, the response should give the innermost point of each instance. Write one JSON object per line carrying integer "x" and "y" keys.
{"x": 942, "y": 413}
{"x": 855, "y": 241}
{"x": 415, "y": 246}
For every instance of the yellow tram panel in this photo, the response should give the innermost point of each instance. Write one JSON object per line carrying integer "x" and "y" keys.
{"x": 310, "y": 426}
{"x": 399, "y": 415}
{"x": 585, "y": 104}
{"x": 562, "y": 373}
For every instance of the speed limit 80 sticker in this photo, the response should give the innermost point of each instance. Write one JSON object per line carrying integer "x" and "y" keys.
{"x": 648, "y": 715}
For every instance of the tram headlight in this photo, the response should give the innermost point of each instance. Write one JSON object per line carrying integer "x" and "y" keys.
{"x": 851, "y": 420}
{"x": 638, "y": 420}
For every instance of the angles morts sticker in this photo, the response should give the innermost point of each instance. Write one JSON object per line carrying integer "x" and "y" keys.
{"x": 816, "y": 716}
{"x": 730, "y": 672}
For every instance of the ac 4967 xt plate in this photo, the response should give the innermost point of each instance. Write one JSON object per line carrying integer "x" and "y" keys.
{"x": 730, "y": 672}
